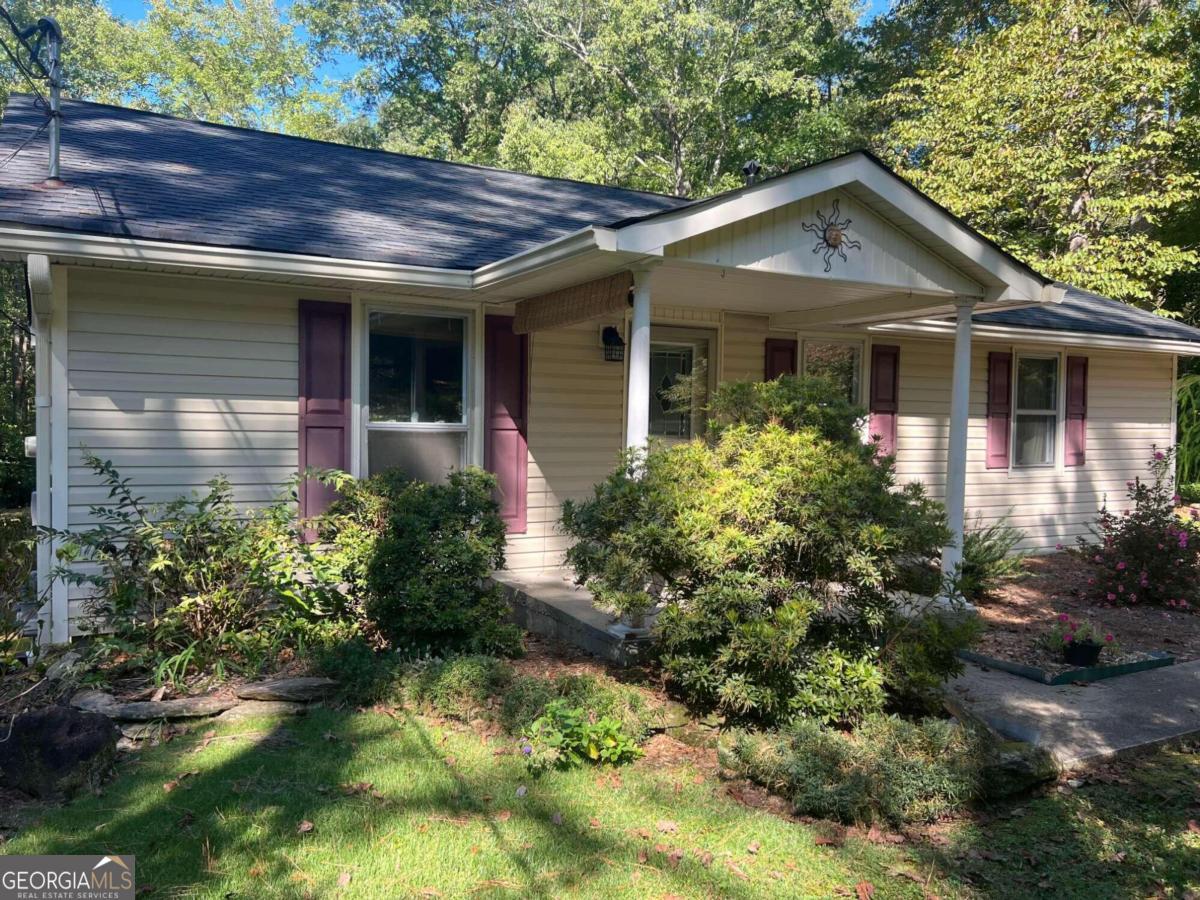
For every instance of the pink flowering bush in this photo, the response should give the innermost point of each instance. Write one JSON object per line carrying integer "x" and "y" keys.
{"x": 1146, "y": 555}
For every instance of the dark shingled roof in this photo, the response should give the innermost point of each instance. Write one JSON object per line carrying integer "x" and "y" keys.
{"x": 1083, "y": 311}
{"x": 140, "y": 174}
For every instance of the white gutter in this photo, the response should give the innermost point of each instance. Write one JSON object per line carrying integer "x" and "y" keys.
{"x": 102, "y": 248}
{"x": 935, "y": 329}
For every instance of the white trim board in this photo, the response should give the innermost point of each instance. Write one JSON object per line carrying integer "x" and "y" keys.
{"x": 1002, "y": 333}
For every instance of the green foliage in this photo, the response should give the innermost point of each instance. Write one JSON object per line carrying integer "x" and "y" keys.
{"x": 921, "y": 655}
{"x": 461, "y": 686}
{"x": 833, "y": 688}
{"x": 990, "y": 558}
{"x": 418, "y": 556}
{"x": 887, "y": 770}
{"x": 792, "y": 402}
{"x": 1187, "y": 448}
{"x": 1066, "y": 631}
{"x": 364, "y": 674}
{"x": 769, "y": 550}
{"x": 527, "y": 698}
{"x": 564, "y": 737}
{"x": 1073, "y": 172}
{"x": 1146, "y": 555}
{"x": 195, "y": 582}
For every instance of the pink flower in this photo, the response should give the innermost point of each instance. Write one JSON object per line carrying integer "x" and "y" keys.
{"x": 1112, "y": 596}
{"x": 1058, "y": 546}
{"x": 1066, "y": 638}
{"x": 1108, "y": 639}
{"x": 1063, "y": 617}
{"x": 1159, "y": 455}
{"x": 1176, "y": 499}
{"x": 1091, "y": 581}
{"x": 1120, "y": 566}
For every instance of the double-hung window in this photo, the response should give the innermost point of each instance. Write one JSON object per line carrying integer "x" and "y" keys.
{"x": 1035, "y": 432}
{"x": 416, "y": 393}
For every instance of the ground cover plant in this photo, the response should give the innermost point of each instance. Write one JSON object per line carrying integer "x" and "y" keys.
{"x": 776, "y": 550}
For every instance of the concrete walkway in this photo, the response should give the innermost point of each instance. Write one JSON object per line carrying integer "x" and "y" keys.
{"x": 1077, "y": 725}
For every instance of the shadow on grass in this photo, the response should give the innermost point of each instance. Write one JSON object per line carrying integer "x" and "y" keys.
{"x": 392, "y": 813}
{"x": 1124, "y": 833}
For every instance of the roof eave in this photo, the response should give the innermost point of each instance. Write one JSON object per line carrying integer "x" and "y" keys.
{"x": 933, "y": 328}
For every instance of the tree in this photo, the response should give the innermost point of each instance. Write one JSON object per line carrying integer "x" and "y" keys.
{"x": 1063, "y": 137}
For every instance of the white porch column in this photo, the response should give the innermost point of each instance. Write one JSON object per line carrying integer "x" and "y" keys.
{"x": 637, "y": 396}
{"x": 956, "y": 455}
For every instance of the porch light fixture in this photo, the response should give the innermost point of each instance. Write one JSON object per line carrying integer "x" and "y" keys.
{"x": 614, "y": 344}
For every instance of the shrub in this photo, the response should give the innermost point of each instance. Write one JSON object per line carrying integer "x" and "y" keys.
{"x": 989, "y": 559}
{"x": 1146, "y": 555}
{"x": 886, "y": 770}
{"x": 364, "y": 675}
{"x": 793, "y": 403}
{"x": 1066, "y": 631}
{"x": 527, "y": 698}
{"x": 461, "y": 686}
{"x": 1189, "y": 492}
{"x": 921, "y": 654}
{"x": 770, "y": 550}
{"x": 419, "y": 555}
{"x": 17, "y": 554}
{"x": 565, "y": 737}
{"x": 180, "y": 586}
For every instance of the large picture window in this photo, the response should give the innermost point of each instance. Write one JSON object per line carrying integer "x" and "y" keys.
{"x": 1036, "y": 411}
{"x": 837, "y": 361}
{"x": 416, "y": 393}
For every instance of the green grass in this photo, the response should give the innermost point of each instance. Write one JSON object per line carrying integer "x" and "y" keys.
{"x": 442, "y": 817}
{"x": 442, "y": 814}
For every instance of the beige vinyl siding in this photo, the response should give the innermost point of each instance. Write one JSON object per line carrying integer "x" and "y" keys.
{"x": 1129, "y": 409}
{"x": 744, "y": 345}
{"x": 176, "y": 380}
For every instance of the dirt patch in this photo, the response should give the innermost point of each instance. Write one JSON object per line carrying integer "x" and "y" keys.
{"x": 547, "y": 658}
{"x": 665, "y": 752}
{"x": 1025, "y": 609}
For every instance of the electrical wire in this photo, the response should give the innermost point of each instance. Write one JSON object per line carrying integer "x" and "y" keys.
{"x": 25, "y": 143}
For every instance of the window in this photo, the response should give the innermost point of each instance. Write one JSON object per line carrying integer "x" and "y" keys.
{"x": 416, "y": 397}
{"x": 839, "y": 361}
{"x": 1036, "y": 411}
{"x": 676, "y": 353}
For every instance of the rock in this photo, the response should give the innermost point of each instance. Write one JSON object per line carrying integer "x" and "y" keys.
{"x": 64, "y": 667}
{"x": 300, "y": 690}
{"x": 252, "y": 708}
{"x": 57, "y": 751}
{"x": 1016, "y": 767}
{"x": 94, "y": 701}
{"x": 183, "y": 708}
{"x": 671, "y": 714}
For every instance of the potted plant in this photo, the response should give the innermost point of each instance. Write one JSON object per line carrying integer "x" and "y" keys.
{"x": 1080, "y": 642}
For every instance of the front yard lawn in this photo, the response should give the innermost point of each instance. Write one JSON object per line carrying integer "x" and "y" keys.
{"x": 379, "y": 804}
{"x": 364, "y": 804}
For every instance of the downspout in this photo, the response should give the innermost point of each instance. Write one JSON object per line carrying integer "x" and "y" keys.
{"x": 37, "y": 269}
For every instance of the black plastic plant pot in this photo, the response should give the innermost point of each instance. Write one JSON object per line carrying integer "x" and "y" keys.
{"x": 1082, "y": 653}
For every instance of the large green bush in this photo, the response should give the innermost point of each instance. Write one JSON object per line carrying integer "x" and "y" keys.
{"x": 418, "y": 556}
{"x": 776, "y": 553}
{"x": 885, "y": 770}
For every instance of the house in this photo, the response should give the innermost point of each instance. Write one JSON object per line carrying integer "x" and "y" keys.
{"x": 217, "y": 300}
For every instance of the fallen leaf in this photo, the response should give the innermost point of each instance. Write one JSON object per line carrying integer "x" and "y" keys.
{"x": 865, "y": 890}
{"x": 674, "y": 858}
{"x": 503, "y": 816}
{"x": 642, "y": 856}
{"x": 666, "y": 826}
{"x": 344, "y": 880}
{"x": 736, "y": 870}
{"x": 304, "y": 827}
{"x": 430, "y": 892}
{"x": 705, "y": 857}
{"x": 357, "y": 787}
{"x": 557, "y": 818}
{"x": 753, "y": 847}
{"x": 593, "y": 822}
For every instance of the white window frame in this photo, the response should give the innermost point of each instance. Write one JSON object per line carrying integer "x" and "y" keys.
{"x": 1060, "y": 399}
{"x": 472, "y": 404}
{"x": 672, "y": 335}
{"x": 861, "y": 346}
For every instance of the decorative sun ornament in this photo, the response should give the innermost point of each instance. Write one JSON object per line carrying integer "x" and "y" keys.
{"x": 831, "y": 236}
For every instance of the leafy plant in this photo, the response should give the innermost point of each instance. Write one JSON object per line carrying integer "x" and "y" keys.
{"x": 17, "y": 554}
{"x": 526, "y": 698}
{"x": 776, "y": 553}
{"x": 564, "y": 737}
{"x": 1065, "y": 631}
{"x": 990, "y": 558}
{"x": 1147, "y": 554}
{"x": 885, "y": 770}
{"x": 1187, "y": 447}
{"x": 461, "y": 686}
{"x": 419, "y": 556}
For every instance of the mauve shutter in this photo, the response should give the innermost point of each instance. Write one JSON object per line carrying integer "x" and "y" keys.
{"x": 780, "y": 358}
{"x": 324, "y": 397}
{"x": 505, "y": 449}
{"x": 1077, "y": 371}
{"x": 999, "y": 409}
{"x": 885, "y": 396}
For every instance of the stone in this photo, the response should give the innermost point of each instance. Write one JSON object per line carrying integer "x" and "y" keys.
{"x": 670, "y": 715}
{"x": 64, "y": 667}
{"x": 93, "y": 701}
{"x": 57, "y": 751}
{"x": 300, "y": 690}
{"x": 253, "y": 708}
{"x": 1015, "y": 767}
{"x": 183, "y": 708}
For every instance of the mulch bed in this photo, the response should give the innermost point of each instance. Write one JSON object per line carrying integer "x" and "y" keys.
{"x": 1025, "y": 609}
